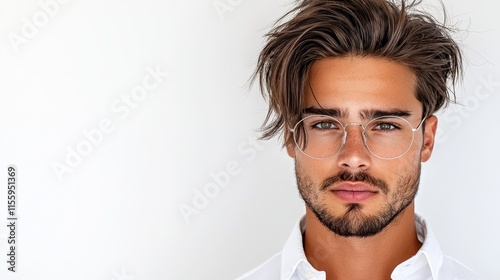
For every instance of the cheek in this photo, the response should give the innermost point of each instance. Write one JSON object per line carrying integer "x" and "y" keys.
{"x": 415, "y": 155}
{"x": 412, "y": 158}
{"x": 392, "y": 170}
{"x": 317, "y": 170}
{"x": 403, "y": 168}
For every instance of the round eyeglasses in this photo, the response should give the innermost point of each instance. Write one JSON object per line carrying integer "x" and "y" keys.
{"x": 386, "y": 137}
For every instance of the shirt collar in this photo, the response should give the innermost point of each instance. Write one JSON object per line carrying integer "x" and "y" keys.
{"x": 429, "y": 254}
{"x": 293, "y": 251}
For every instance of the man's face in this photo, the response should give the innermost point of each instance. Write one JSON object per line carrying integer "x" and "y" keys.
{"x": 354, "y": 193}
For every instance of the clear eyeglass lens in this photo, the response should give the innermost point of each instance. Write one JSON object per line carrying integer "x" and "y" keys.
{"x": 323, "y": 136}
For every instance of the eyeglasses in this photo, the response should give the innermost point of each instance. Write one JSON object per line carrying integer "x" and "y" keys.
{"x": 386, "y": 137}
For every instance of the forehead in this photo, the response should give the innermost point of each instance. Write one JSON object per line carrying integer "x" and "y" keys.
{"x": 353, "y": 85}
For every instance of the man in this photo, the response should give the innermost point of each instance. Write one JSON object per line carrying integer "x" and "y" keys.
{"x": 353, "y": 86}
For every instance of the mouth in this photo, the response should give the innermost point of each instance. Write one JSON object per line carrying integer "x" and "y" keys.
{"x": 353, "y": 192}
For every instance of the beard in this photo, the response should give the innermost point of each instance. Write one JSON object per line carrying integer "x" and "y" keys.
{"x": 353, "y": 222}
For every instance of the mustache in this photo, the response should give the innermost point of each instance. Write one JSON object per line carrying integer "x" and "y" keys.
{"x": 356, "y": 177}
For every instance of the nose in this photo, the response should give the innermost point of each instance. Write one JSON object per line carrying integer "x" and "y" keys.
{"x": 354, "y": 155}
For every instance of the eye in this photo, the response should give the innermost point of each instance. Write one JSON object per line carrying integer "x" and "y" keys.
{"x": 385, "y": 126}
{"x": 325, "y": 125}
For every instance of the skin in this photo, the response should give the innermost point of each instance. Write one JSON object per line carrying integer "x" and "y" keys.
{"x": 355, "y": 85}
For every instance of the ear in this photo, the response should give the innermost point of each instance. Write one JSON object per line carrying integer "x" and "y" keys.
{"x": 289, "y": 143}
{"x": 290, "y": 149}
{"x": 429, "y": 137}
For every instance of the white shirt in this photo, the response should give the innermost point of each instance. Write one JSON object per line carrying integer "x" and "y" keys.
{"x": 428, "y": 263}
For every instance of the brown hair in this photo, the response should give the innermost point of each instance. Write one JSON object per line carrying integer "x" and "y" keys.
{"x": 335, "y": 28}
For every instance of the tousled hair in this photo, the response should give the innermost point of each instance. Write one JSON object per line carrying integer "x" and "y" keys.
{"x": 389, "y": 29}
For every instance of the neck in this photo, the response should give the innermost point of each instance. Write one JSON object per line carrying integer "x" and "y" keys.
{"x": 355, "y": 258}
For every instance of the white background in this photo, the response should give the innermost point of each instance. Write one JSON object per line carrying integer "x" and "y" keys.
{"x": 116, "y": 214}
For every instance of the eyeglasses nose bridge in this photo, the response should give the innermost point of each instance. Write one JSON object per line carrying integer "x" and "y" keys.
{"x": 344, "y": 138}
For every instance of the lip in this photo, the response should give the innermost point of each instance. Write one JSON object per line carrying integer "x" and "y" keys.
{"x": 353, "y": 192}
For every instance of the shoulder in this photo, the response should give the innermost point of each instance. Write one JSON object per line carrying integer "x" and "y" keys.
{"x": 270, "y": 269}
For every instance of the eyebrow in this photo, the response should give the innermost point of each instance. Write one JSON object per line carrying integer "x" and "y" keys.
{"x": 333, "y": 112}
{"x": 365, "y": 114}
{"x": 371, "y": 114}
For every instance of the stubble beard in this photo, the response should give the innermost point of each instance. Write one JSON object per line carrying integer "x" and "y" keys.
{"x": 353, "y": 222}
